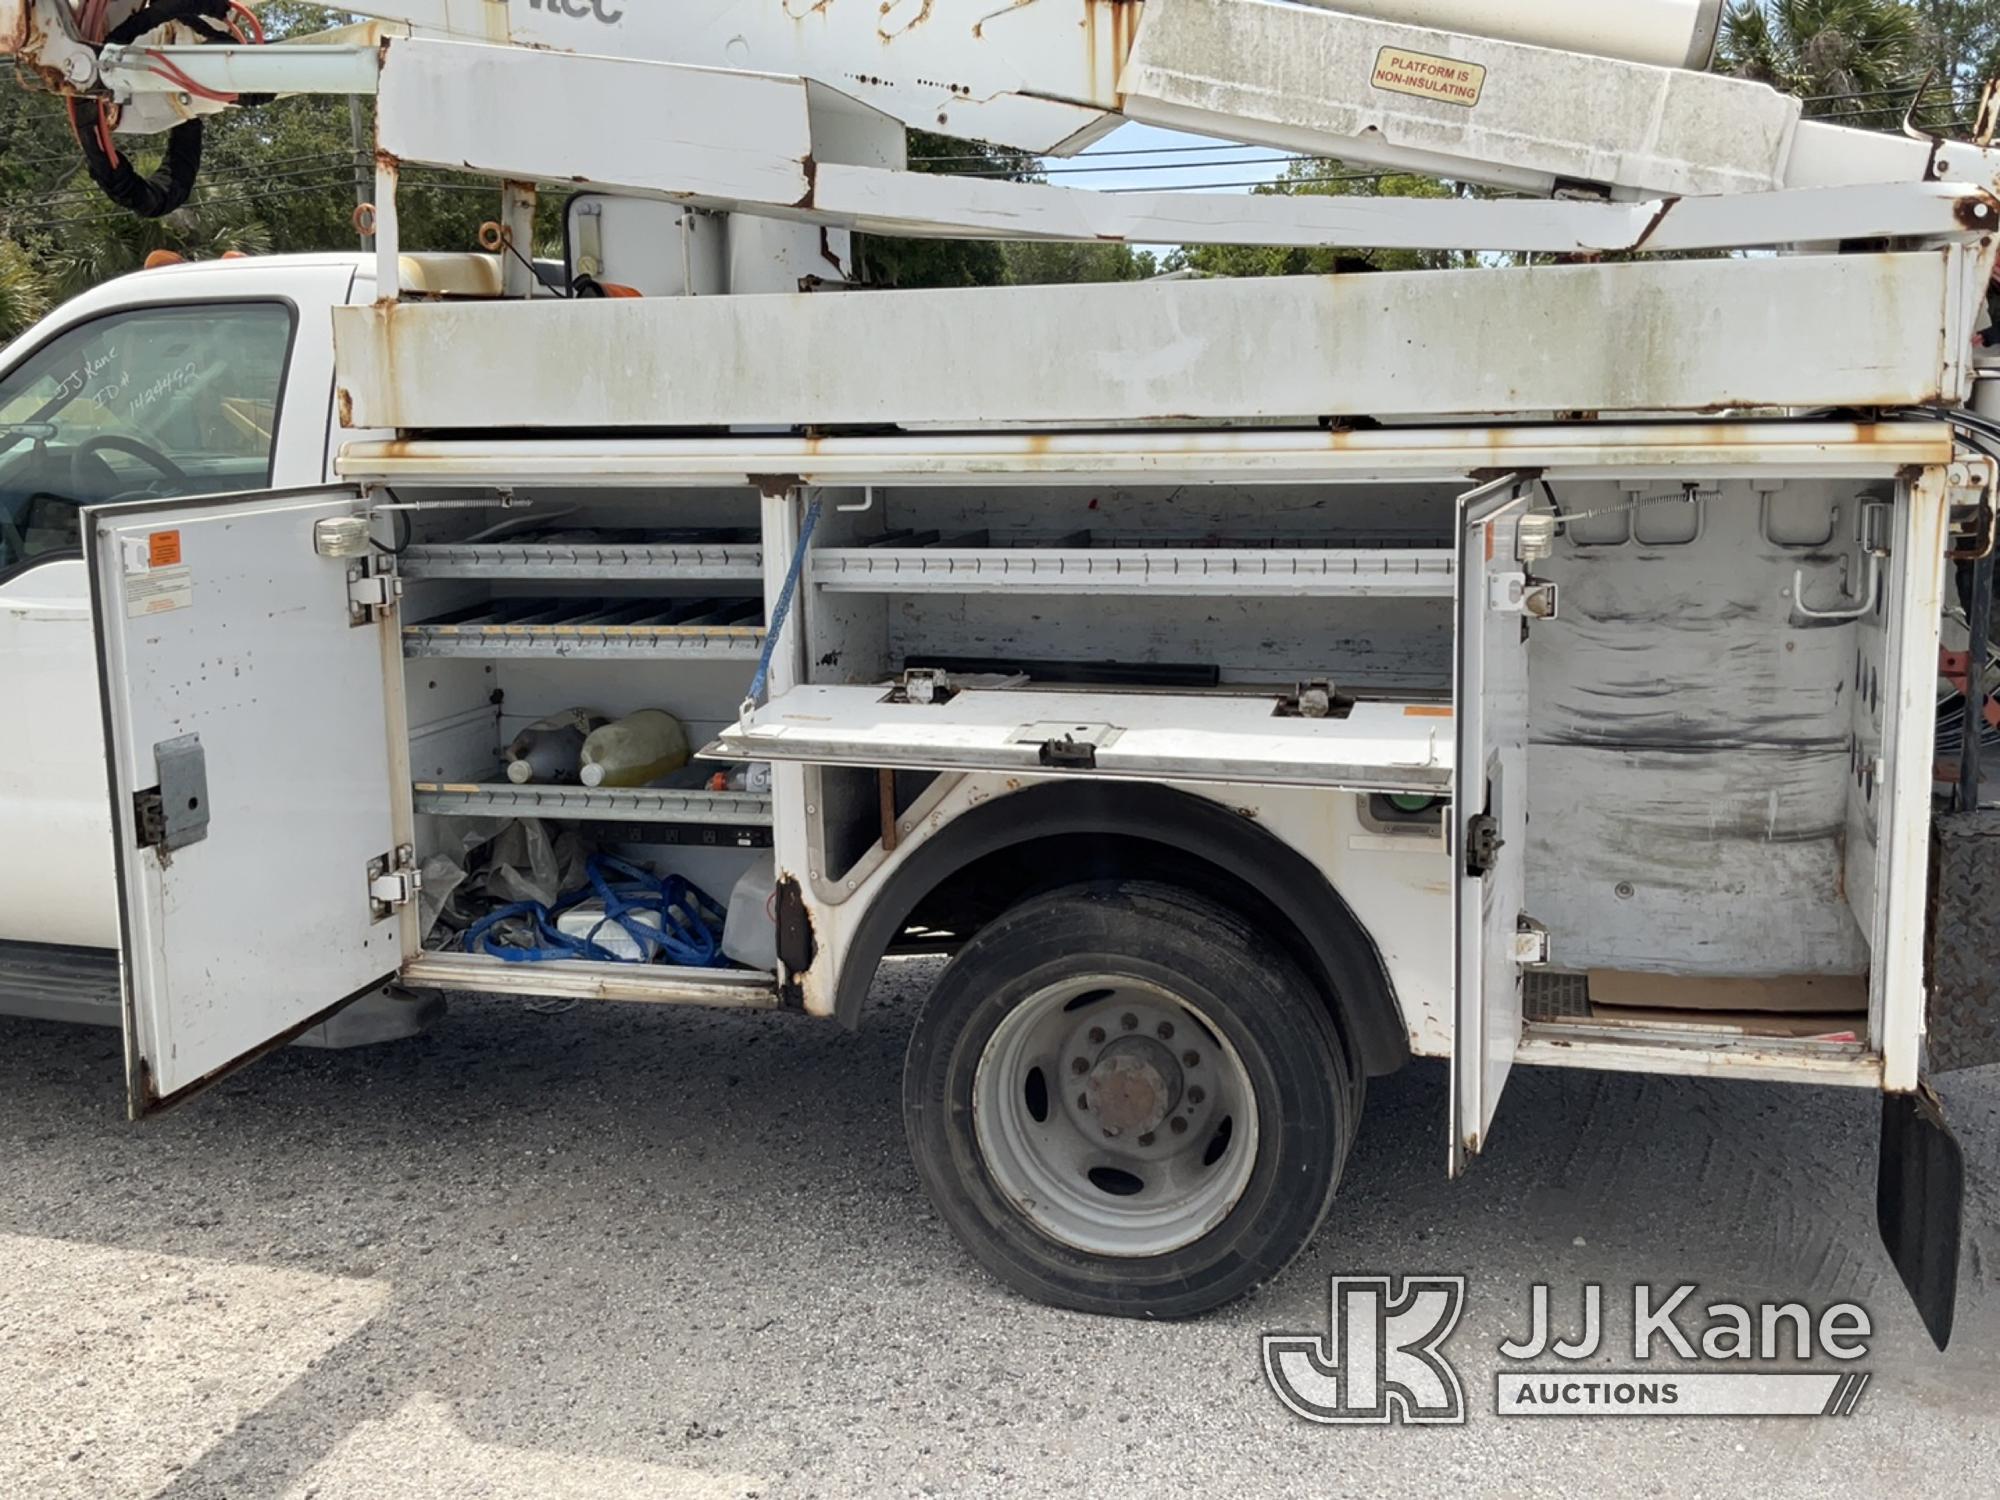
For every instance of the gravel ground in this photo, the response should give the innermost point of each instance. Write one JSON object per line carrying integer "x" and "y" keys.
{"x": 620, "y": 1252}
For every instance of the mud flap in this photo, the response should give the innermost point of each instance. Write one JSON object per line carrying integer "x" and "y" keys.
{"x": 1919, "y": 1199}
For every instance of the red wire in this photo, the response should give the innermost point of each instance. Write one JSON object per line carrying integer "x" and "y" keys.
{"x": 250, "y": 19}
{"x": 166, "y": 68}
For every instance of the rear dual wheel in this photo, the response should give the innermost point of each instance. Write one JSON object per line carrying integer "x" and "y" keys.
{"x": 1122, "y": 1101}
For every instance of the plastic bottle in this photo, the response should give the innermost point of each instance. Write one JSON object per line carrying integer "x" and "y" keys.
{"x": 639, "y": 748}
{"x": 754, "y": 777}
{"x": 549, "y": 750}
{"x": 749, "y": 935}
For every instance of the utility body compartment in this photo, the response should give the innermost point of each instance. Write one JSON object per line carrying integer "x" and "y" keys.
{"x": 1624, "y": 727}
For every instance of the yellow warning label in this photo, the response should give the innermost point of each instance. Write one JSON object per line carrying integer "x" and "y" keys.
{"x": 1441, "y": 78}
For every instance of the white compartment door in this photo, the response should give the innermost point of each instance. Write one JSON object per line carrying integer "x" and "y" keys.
{"x": 248, "y": 746}
{"x": 1489, "y": 803}
{"x": 1241, "y": 736}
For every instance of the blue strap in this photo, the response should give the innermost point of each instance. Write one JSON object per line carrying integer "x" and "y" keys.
{"x": 777, "y": 626}
{"x": 688, "y": 933}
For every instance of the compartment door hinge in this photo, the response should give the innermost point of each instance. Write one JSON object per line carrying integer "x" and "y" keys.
{"x": 370, "y": 596}
{"x": 393, "y": 882}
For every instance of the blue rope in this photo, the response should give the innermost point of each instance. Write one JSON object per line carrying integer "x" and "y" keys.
{"x": 688, "y": 934}
{"x": 777, "y": 626}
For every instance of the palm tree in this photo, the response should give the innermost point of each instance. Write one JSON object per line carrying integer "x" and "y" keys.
{"x": 97, "y": 246}
{"x": 24, "y": 290}
{"x": 1856, "y": 61}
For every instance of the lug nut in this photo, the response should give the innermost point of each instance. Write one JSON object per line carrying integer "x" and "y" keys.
{"x": 1097, "y": 1035}
{"x": 1146, "y": 1139}
{"x": 1191, "y": 1058}
{"x": 1083, "y": 1102}
{"x": 1079, "y": 1065}
{"x": 1129, "y": 1021}
{"x": 1195, "y": 1095}
{"x": 1177, "y": 1125}
{"x": 1166, "y": 1030}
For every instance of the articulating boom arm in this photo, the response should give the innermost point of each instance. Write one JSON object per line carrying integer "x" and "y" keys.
{"x": 795, "y": 108}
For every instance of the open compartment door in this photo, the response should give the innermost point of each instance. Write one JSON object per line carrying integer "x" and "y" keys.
{"x": 247, "y": 732}
{"x": 1312, "y": 738}
{"x": 1496, "y": 599}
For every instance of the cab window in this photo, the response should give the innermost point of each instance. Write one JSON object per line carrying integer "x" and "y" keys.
{"x": 152, "y": 403}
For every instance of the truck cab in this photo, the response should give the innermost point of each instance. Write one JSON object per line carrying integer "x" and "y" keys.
{"x": 190, "y": 379}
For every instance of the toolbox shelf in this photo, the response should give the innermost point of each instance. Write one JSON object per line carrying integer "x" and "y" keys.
{"x": 719, "y": 553}
{"x": 931, "y": 563}
{"x": 615, "y": 629}
{"x": 637, "y": 804}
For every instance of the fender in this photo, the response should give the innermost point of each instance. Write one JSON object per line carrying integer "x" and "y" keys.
{"x": 1330, "y": 939}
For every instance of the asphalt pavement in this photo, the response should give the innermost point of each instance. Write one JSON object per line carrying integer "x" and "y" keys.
{"x": 626, "y": 1252}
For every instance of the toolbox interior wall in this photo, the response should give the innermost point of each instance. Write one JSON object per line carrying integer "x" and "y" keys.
{"x": 1691, "y": 740}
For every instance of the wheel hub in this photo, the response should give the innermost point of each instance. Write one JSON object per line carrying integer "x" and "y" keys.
{"x": 1134, "y": 1085}
{"x": 1114, "y": 1116}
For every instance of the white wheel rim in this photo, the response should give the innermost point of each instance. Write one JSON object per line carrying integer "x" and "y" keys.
{"x": 1147, "y": 1131}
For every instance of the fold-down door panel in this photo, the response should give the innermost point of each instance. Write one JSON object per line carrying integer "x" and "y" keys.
{"x": 1234, "y": 737}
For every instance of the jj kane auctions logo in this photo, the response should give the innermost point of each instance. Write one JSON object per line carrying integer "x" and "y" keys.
{"x": 1382, "y": 1358}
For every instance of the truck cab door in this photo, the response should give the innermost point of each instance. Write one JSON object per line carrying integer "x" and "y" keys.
{"x": 1496, "y": 600}
{"x": 244, "y": 674}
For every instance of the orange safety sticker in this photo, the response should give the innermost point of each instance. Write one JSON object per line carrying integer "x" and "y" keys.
{"x": 1427, "y": 711}
{"x": 163, "y": 549}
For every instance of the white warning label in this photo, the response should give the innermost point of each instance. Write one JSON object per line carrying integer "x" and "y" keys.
{"x": 157, "y": 591}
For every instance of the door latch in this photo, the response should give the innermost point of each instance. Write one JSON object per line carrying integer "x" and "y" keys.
{"x": 1482, "y": 844}
{"x": 393, "y": 882}
{"x": 174, "y": 814}
{"x": 926, "y": 685}
{"x": 1067, "y": 754}
{"x": 1313, "y": 700}
{"x": 370, "y": 596}
{"x": 1519, "y": 594}
{"x": 1531, "y": 942}
{"x": 1974, "y": 512}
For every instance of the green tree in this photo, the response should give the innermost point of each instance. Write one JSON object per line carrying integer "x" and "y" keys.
{"x": 1854, "y": 61}
{"x": 884, "y": 260}
{"x": 25, "y": 293}
{"x": 1042, "y": 262}
{"x": 1311, "y": 178}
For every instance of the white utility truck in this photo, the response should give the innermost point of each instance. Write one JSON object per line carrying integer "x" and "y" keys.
{"x": 1252, "y": 685}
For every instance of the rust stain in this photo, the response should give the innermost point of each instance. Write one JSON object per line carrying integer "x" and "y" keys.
{"x": 777, "y": 486}
{"x": 1977, "y": 211}
{"x": 1659, "y": 217}
{"x": 811, "y": 170}
{"x": 344, "y": 399}
{"x": 923, "y": 14}
{"x": 1119, "y": 21}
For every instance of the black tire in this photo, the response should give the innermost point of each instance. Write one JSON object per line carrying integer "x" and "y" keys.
{"x": 1250, "y": 992}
